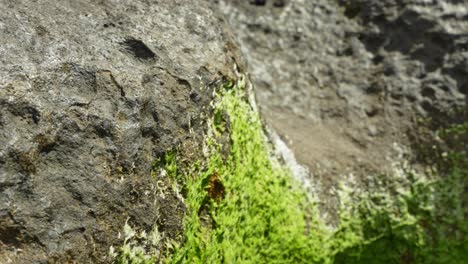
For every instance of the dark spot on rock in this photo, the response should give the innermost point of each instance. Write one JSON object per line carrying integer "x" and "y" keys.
{"x": 32, "y": 113}
{"x": 463, "y": 89}
{"x": 258, "y": 2}
{"x": 279, "y": 3}
{"x": 428, "y": 107}
{"x": 346, "y": 52}
{"x": 148, "y": 132}
{"x": 374, "y": 88}
{"x": 428, "y": 92}
{"x": 411, "y": 98}
{"x": 45, "y": 143}
{"x": 445, "y": 88}
{"x": 297, "y": 37}
{"x": 389, "y": 68}
{"x": 11, "y": 233}
{"x": 73, "y": 191}
{"x": 194, "y": 96}
{"x": 352, "y": 9}
{"x": 41, "y": 31}
{"x": 185, "y": 126}
{"x": 91, "y": 213}
{"x": 114, "y": 81}
{"x": 146, "y": 78}
{"x": 184, "y": 83}
{"x": 105, "y": 25}
{"x": 103, "y": 128}
{"x": 155, "y": 116}
{"x": 397, "y": 96}
{"x": 371, "y": 112}
{"x": 378, "y": 59}
{"x": 27, "y": 161}
{"x": 138, "y": 49}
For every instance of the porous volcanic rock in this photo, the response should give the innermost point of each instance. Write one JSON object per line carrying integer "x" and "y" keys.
{"x": 342, "y": 81}
{"x": 91, "y": 93}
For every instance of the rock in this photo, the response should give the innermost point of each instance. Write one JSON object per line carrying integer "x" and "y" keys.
{"x": 91, "y": 93}
{"x": 373, "y": 131}
{"x": 344, "y": 66}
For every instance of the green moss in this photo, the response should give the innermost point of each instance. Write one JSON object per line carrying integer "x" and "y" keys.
{"x": 424, "y": 224}
{"x": 411, "y": 218}
{"x": 169, "y": 164}
{"x": 246, "y": 208}
{"x": 260, "y": 217}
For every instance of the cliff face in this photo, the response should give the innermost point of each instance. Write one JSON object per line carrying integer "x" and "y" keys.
{"x": 343, "y": 81}
{"x": 91, "y": 94}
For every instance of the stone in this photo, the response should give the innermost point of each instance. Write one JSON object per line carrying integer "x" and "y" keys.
{"x": 332, "y": 68}
{"x": 91, "y": 94}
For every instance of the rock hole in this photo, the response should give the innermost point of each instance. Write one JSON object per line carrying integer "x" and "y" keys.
{"x": 45, "y": 143}
{"x": 258, "y": 2}
{"x": 279, "y": 3}
{"x": 428, "y": 92}
{"x": 352, "y": 9}
{"x": 138, "y": 49}
{"x": 411, "y": 98}
{"x": 378, "y": 59}
{"x": 10, "y": 235}
{"x": 464, "y": 88}
{"x": 30, "y": 112}
{"x": 428, "y": 107}
{"x": 194, "y": 97}
{"x": 183, "y": 83}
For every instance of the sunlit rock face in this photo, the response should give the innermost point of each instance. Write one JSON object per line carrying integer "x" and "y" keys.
{"x": 91, "y": 93}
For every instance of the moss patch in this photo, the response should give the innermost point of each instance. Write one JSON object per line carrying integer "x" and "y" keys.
{"x": 257, "y": 213}
{"x": 244, "y": 207}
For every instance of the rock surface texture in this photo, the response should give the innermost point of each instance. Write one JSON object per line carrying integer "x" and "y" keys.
{"x": 342, "y": 81}
{"x": 91, "y": 93}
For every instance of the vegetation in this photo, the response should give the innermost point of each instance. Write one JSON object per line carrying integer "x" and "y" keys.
{"x": 244, "y": 207}
{"x": 133, "y": 252}
{"x": 257, "y": 213}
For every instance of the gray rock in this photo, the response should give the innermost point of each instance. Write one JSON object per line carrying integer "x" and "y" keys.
{"x": 327, "y": 71}
{"x": 91, "y": 93}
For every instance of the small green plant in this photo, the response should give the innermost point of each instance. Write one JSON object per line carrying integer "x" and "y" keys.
{"x": 424, "y": 222}
{"x": 244, "y": 207}
{"x": 167, "y": 165}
